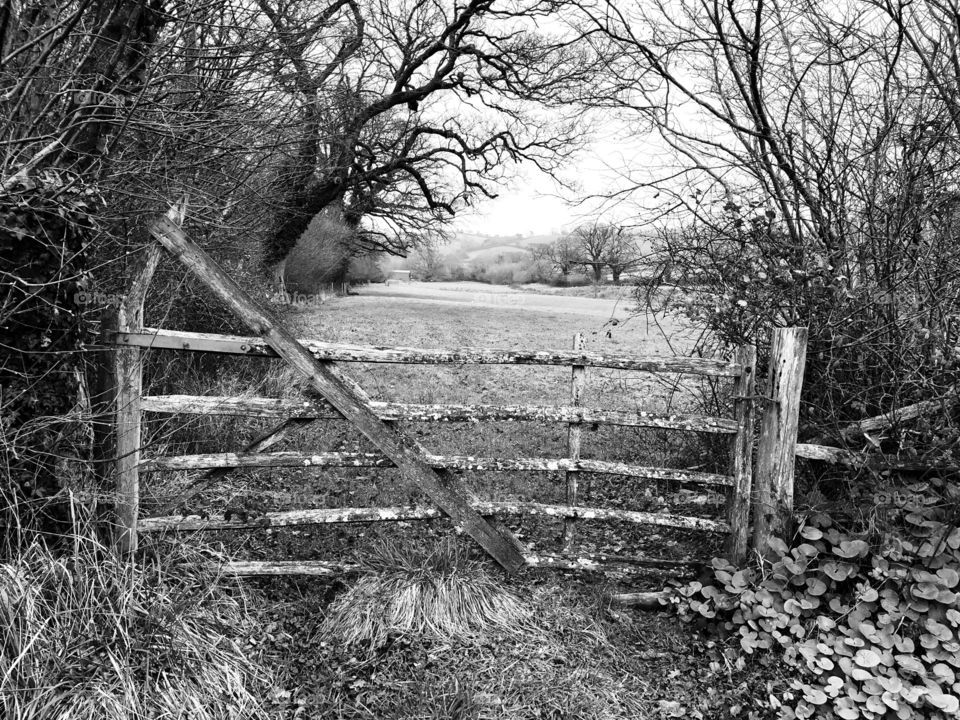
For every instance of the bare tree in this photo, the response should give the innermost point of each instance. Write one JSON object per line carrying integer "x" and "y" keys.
{"x": 593, "y": 244}
{"x": 622, "y": 254}
{"x": 388, "y": 147}
{"x": 428, "y": 260}
{"x": 562, "y": 255}
{"x": 815, "y": 176}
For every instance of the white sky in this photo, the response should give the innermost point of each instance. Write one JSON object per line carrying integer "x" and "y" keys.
{"x": 534, "y": 203}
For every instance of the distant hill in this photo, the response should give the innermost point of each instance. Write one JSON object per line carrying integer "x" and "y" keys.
{"x": 495, "y": 252}
{"x": 470, "y": 246}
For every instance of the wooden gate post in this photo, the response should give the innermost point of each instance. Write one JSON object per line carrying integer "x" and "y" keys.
{"x": 574, "y": 431}
{"x": 738, "y": 503}
{"x": 103, "y": 400}
{"x": 773, "y": 512}
{"x": 128, "y": 374}
{"x": 128, "y": 378}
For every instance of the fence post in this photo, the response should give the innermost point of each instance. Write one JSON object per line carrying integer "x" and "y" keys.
{"x": 738, "y": 504}
{"x": 773, "y": 512}
{"x": 128, "y": 371}
{"x": 574, "y": 430}
{"x": 103, "y": 397}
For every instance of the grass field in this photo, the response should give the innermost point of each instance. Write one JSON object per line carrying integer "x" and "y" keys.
{"x": 613, "y": 662}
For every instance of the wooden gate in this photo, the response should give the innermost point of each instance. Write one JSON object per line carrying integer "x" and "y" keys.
{"x": 340, "y": 397}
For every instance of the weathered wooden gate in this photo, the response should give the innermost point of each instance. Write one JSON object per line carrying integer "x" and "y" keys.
{"x": 342, "y": 398}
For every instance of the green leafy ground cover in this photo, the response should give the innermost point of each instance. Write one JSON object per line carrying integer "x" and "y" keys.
{"x": 866, "y": 618}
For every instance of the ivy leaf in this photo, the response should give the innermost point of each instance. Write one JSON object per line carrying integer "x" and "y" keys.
{"x": 846, "y": 709}
{"x": 826, "y": 624}
{"x": 953, "y": 541}
{"x": 946, "y": 597}
{"x": 814, "y": 696}
{"x": 940, "y": 700}
{"x": 910, "y": 664}
{"x": 852, "y": 548}
{"x": 890, "y": 684}
{"x": 873, "y": 687}
{"x": 866, "y": 658}
{"x": 944, "y": 673}
{"x": 834, "y": 686}
{"x": 838, "y": 571}
{"x": 778, "y": 546}
{"x": 890, "y": 700}
{"x": 925, "y": 591}
{"x": 948, "y": 577}
{"x": 911, "y": 693}
{"x": 939, "y": 630}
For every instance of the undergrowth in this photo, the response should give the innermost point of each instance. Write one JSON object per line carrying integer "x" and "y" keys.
{"x": 439, "y": 594}
{"x": 84, "y": 634}
{"x": 867, "y": 618}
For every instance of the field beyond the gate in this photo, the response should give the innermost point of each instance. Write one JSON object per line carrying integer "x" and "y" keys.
{"x": 594, "y": 661}
{"x": 578, "y": 656}
{"x": 464, "y": 314}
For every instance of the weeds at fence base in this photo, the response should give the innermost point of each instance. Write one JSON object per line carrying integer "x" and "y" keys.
{"x": 84, "y": 634}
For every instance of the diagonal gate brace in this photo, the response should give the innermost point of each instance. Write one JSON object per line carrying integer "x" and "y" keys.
{"x": 405, "y": 453}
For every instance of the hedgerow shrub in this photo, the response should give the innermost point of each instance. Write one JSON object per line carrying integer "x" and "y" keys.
{"x": 869, "y": 621}
{"x": 882, "y": 323}
{"x": 321, "y": 256}
{"x": 45, "y": 226}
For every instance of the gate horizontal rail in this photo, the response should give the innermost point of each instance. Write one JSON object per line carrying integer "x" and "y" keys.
{"x": 209, "y": 461}
{"x": 242, "y": 345}
{"x": 414, "y": 412}
{"x": 327, "y": 568}
{"x": 323, "y": 516}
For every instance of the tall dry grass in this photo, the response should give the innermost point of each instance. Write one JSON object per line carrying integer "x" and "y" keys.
{"x": 438, "y": 593}
{"x": 85, "y": 634}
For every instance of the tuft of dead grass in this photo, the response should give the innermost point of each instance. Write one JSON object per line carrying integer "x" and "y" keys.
{"x": 439, "y": 594}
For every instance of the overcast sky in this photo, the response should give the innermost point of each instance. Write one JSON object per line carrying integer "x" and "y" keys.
{"x": 534, "y": 203}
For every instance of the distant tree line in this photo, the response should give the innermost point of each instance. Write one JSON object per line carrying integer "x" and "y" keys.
{"x": 594, "y": 247}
